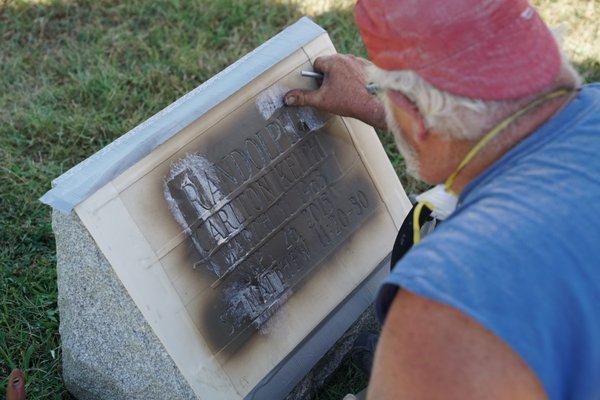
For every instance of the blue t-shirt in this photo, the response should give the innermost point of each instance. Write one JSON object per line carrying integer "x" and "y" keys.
{"x": 521, "y": 253}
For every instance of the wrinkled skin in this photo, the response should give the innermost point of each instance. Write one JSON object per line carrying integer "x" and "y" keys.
{"x": 343, "y": 90}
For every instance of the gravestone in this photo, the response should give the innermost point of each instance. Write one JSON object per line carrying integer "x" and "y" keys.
{"x": 221, "y": 248}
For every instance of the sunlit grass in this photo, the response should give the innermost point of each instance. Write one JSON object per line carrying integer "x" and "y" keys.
{"x": 316, "y": 7}
{"x": 75, "y": 75}
{"x": 580, "y": 21}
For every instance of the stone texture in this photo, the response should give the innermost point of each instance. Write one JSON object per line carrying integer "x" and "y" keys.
{"x": 110, "y": 352}
{"x": 108, "y": 349}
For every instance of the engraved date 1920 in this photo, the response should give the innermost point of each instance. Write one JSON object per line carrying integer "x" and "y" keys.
{"x": 329, "y": 221}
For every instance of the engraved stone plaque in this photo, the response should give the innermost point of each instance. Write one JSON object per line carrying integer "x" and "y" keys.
{"x": 248, "y": 234}
{"x": 262, "y": 213}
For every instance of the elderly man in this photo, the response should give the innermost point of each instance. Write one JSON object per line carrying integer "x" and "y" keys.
{"x": 502, "y": 299}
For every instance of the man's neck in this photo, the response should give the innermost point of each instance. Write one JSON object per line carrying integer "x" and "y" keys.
{"x": 506, "y": 140}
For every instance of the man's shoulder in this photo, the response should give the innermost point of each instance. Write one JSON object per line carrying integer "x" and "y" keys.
{"x": 564, "y": 147}
{"x": 526, "y": 221}
{"x": 545, "y": 189}
{"x": 534, "y": 217}
{"x": 519, "y": 255}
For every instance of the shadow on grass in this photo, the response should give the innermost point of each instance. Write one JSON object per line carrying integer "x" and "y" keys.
{"x": 346, "y": 379}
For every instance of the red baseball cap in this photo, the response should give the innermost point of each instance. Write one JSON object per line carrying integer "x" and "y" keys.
{"x": 485, "y": 49}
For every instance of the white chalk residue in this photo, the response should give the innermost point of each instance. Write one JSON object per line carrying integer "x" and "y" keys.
{"x": 288, "y": 123}
{"x": 200, "y": 167}
{"x": 270, "y": 100}
{"x": 175, "y": 211}
{"x": 311, "y": 117}
{"x": 256, "y": 302}
{"x": 268, "y": 320}
{"x": 203, "y": 198}
{"x": 307, "y": 115}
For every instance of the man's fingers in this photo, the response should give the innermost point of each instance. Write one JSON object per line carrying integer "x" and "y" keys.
{"x": 298, "y": 97}
{"x": 324, "y": 63}
{"x": 15, "y": 386}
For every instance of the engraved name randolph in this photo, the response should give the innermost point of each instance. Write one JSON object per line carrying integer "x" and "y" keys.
{"x": 264, "y": 214}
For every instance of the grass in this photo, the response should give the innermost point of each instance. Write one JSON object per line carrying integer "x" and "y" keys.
{"x": 74, "y": 75}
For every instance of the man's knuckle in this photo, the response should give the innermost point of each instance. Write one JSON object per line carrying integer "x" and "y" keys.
{"x": 320, "y": 61}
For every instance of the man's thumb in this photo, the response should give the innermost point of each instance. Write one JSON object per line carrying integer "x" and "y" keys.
{"x": 298, "y": 97}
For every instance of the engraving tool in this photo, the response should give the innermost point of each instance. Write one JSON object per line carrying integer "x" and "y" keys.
{"x": 372, "y": 88}
{"x": 311, "y": 74}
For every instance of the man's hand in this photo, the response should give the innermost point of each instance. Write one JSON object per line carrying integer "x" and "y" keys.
{"x": 343, "y": 91}
{"x": 15, "y": 386}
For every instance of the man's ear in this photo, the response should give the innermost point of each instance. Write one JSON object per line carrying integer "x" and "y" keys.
{"x": 408, "y": 116}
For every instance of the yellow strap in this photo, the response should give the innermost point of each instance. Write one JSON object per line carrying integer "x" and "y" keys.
{"x": 416, "y": 224}
{"x": 475, "y": 150}
{"x": 499, "y": 128}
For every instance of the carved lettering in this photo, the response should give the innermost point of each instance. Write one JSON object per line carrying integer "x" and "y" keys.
{"x": 277, "y": 135}
{"x": 216, "y": 229}
{"x": 224, "y": 217}
{"x": 256, "y": 153}
{"x": 264, "y": 214}
{"x": 194, "y": 195}
{"x": 267, "y": 143}
{"x": 266, "y": 188}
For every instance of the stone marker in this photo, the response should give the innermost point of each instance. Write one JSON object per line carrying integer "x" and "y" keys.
{"x": 221, "y": 248}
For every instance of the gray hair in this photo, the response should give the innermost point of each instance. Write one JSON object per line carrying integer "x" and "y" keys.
{"x": 454, "y": 116}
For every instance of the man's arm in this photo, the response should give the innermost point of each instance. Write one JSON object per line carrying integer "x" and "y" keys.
{"x": 428, "y": 350}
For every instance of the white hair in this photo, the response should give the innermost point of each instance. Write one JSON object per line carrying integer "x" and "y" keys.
{"x": 411, "y": 160}
{"x": 450, "y": 115}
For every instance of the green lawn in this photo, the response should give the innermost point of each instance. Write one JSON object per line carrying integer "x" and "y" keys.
{"x": 74, "y": 75}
